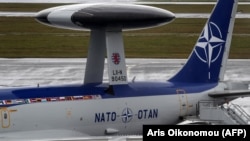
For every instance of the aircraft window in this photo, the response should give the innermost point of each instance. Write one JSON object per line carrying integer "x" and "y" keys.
{"x": 5, "y": 116}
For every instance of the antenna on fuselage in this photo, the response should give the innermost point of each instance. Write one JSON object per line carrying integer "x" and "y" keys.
{"x": 106, "y": 21}
{"x": 109, "y": 39}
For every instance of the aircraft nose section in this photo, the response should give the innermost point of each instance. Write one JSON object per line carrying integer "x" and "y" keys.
{"x": 42, "y": 17}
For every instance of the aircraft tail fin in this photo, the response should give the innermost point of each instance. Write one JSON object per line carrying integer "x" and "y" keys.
{"x": 207, "y": 62}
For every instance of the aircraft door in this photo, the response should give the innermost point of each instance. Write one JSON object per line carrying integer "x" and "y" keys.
{"x": 5, "y": 117}
{"x": 183, "y": 102}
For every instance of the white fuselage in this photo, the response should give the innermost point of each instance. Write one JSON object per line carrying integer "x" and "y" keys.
{"x": 96, "y": 117}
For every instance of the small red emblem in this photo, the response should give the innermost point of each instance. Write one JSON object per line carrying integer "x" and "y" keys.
{"x": 116, "y": 58}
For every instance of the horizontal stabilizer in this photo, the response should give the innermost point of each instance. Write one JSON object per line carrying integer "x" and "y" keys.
{"x": 230, "y": 94}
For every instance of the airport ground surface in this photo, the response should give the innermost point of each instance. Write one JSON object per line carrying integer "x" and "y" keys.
{"x": 23, "y": 37}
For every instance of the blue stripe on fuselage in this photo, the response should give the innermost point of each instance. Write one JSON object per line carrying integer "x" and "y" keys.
{"x": 118, "y": 91}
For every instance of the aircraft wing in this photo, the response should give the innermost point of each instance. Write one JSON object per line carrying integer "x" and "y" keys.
{"x": 230, "y": 94}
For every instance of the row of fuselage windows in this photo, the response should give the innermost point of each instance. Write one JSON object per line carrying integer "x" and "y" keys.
{"x": 48, "y": 99}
